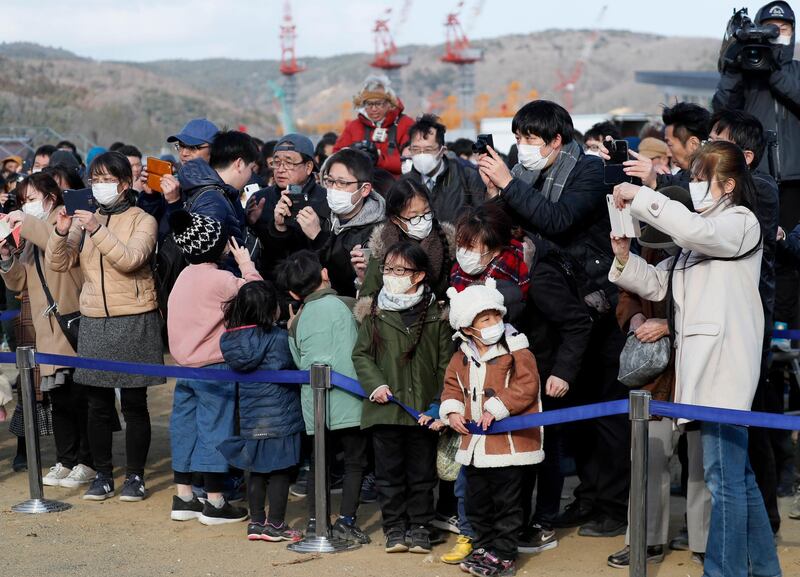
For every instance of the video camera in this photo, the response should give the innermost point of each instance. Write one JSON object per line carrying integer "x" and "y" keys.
{"x": 747, "y": 46}
{"x": 367, "y": 147}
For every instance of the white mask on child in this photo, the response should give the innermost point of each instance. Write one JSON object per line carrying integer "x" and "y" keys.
{"x": 490, "y": 335}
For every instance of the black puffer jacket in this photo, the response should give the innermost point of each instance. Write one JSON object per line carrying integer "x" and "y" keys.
{"x": 772, "y": 97}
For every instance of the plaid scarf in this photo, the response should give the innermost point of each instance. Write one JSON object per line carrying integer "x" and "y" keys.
{"x": 508, "y": 265}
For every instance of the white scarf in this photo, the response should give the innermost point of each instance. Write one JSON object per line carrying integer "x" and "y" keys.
{"x": 391, "y": 302}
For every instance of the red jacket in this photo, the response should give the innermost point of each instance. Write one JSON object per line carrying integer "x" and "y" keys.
{"x": 355, "y": 130}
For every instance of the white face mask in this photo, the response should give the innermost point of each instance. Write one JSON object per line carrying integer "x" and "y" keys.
{"x": 470, "y": 262}
{"x": 341, "y": 201}
{"x": 530, "y": 156}
{"x": 406, "y": 165}
{"x": 420, "y": 230}
{"x": 425, "y": 163}
{"x": 490, "y": 335}
{"x": 782, "y": 40}
{"x": 34, "y": 208}
{"x": 397, "y": 285}
{"x": 105, "y": 193}
{"x": 701, "y": 195}
{"x": 590, "y": 152}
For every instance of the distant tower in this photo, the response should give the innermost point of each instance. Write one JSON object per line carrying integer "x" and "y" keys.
{"x": 458, "y": 52}
{"x": 386, "y": 56}
{"x": 289, "y": 65}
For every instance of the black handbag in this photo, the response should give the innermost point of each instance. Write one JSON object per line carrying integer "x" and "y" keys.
{"x": 69, "y": 322}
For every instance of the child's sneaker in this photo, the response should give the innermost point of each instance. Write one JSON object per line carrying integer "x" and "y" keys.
{"x": 349, "y": 532}
{"x": 185, "y": 510}
{"x": 56, "y": 474}
{"x": 133, "y": 489}
{"x": 80, "y": 475}
{"x": 460, "y": 551}
{"x": 101, "y": 488}
{"x": 473, "y": 558}
{"x": 396, "y": 541}
{"x": 535, "y": 539}
{"x": 420, "y": 540}
{"x": 226, "y": 513}
{"x": 445, "y": 523}
{"x": 493, "y": 566}
{"x": 272, "y": 533}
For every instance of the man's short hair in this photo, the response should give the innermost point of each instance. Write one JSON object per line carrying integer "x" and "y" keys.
{"x": 426, "y": 124}
{"x": 300, "y": 273}
{"x": 230, "y": 145}
{"x": 687, "y": 120}
{"x": 744, "y": 130}
{"x": 462, "y": 147}
{"x": 45, "y": 150}
{"x": 544, "y": 119}
{"x": 130, "y": 150}
{"x": 602, "y": 129}
{"x": 356, "y": 161}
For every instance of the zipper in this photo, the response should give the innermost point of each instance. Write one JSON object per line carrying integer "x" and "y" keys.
{"x": 777, "y": 142}
{"x": 103, "y": 277}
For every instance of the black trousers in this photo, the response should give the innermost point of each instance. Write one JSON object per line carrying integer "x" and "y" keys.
{"x": 405, "y": 474}
{"x": 69, "y": 424}
{"x": 494, "y": 509}
{"x": 102, "y": 419}
{"x": 549, "y": 478}
{"x": 601, "y": 447}
{"x": 353, "y": 442}
{"x": 211, "y": 482}
{"x": 273, "y": 485}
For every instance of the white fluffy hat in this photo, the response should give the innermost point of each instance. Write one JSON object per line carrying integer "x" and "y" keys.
{"x": 467, "y": 304}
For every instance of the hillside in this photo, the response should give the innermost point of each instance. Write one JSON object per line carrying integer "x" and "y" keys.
{"x": 143, "y": 102}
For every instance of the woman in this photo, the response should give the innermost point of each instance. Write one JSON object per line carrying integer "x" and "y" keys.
{"x": 408, "y": 217}
{"x": 26, "y": 270}
{"x": 120, "y": 320}
{"x": 718, "y": 334}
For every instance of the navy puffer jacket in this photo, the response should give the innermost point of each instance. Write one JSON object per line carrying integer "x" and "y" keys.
{"x": 265, "y": 409}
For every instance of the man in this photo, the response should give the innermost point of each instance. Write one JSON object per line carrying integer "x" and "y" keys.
{"x": 594, "y": 137}
{"x": 193, "y": 141}
{"x": 556, "y": 192}
{"x": 657, "y": 151}
{"x": 41, "y": 158}
{"x": 686, "y": 128}
{"x": 452, "y": 185}
{"x": 10, "y": 165}
{"x": 324, "y": 148}
{"x": 462, "y": 150}
{"x": 134, "y": 156}
{"x": 380, "y": 120}
{"x": 292, "y": 165}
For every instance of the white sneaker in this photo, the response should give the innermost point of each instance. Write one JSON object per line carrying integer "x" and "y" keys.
{"x": 80, "y": 475}
{"x": 56, "y": 474}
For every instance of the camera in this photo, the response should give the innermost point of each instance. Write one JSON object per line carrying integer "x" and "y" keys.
{"x": 367, "y": 147}
{"x": 746, "y": 45}
{"x": 481, "y": 142}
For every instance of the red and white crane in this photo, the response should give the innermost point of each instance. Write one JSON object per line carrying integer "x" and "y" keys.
{"x": 386, "y": 55}
{"x": 457, "y": 50}
{"x": 289, "y": 67}
{"x": 567, "y": 83}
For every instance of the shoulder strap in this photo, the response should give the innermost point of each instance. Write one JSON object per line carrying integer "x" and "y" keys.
{"x": 367, "y": 132}
{"x": 50, "y": 302}
{"x": 467, "y": 190}
{"x": 209, "y": 187}
{"x": 393, "y": 136}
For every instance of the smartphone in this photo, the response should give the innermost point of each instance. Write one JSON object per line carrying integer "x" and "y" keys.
{"x": 298, "y": 197}
{"x": 622, "y": 221}
{"x": 79, "y": 199}
{"x": 156, "y": 168}
{"x": 481, "y": 142}
{"x": 367, "y": 252}
{"x": 7, "y": 234}
{"x": 613, "y": 170}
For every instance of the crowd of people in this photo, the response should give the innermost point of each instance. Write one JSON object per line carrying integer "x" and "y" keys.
{"x": 464, "y": 283}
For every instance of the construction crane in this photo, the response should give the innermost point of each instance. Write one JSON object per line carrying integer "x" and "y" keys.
{"x": 567, "y": 83}
{"x": 386, "y": 56}
{"x": 459, "y": 52}
{"x": 290, "y": 67}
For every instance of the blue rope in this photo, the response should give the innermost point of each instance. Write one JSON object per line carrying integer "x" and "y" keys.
{"x": 726, "y": 416}
{"x": 9, "y": 315}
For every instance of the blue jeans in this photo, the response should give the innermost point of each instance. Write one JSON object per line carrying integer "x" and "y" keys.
{"x": 740, "y": 540}
{"x": 461, "y": 495}
{"x": 202, "y": 418}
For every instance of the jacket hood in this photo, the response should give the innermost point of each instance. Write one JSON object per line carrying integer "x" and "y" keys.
{"x": 515, "y": 340}
{"x": 244, "y": 348}
{"x": 373, "y": 211}
{"x": 378, "y": 239}
{"x": 197, "y": 173}
{"x": 363, "y": 307}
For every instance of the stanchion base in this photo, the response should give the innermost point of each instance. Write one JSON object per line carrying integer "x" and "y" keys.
{"x": 40, "y": 506}
{"x": 313, "y": 544}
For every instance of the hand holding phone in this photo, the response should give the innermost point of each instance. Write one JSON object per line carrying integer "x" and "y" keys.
{"x": 614, "y": 167}
{"x": 156, "y": 168}
{"x": 622, "y": 222}
{"x": 79, "y": 199}
{"x": 298, "y": 198}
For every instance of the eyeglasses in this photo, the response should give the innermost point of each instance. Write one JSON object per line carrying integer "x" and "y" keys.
{"x": 397, "y": 270}
{"x": 278, "y": 163}
{"x": 416, "y": 150}
{"x": 181, "y": 146}
{"x": 102, "y": 180}
{"x": 375, "y": 103}
{"x": 337, "y": 183}
{"x": 415, "y": 220}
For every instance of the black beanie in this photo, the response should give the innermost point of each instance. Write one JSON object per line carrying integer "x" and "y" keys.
{"x": 201, "y": 238}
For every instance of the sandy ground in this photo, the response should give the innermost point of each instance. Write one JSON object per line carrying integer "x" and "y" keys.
{"x": 138, "y": 539}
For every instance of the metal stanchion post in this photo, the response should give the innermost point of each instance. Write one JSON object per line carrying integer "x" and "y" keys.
{"x": 321, "y": 541}
{"x": 37, "y": 503}
{"x": 640, "y": 421}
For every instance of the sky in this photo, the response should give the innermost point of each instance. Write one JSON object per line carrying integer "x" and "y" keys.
{"x": 145, "y": 30}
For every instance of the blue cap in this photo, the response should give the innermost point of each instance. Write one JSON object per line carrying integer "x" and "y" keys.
{"x": 93, "y": 153}
{"x": 296, "y": 143}
{"x": 196, "y": 132}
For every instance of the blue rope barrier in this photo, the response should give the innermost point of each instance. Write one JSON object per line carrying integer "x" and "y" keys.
{"x": 569, "y": 415}
{"x": 793, "y": 335}
{"x": 726, "y": 416}
{"x": 9, "y": 315}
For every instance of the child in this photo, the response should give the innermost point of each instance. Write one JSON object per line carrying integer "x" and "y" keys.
{"x": 270, "y": 417}
{"x": 202, "y": 411}
{"x": 324, "y": 331}
{"x": 492, "y": 376}
{"x": 402, "y": 351}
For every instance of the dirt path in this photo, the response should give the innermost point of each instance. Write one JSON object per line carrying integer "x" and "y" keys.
{"x": 138, "y": 539}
